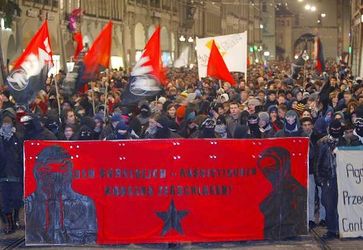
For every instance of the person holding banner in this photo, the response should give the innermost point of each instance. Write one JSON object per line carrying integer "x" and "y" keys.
{"x": 326, "y": 175}
{"x": 357, "y": 138}
{"x": 11, "y": 171}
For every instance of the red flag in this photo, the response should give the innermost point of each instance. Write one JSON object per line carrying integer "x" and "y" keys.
{"x": 78, "y": 38}
{"x": 38, "y": 46}
{"x": 319, "y": 56}
{"x": 217, "y": 67}
{"x": 100, "y": 53}
{"x": 153, "y": 52}
{"x": 30, "y": 70}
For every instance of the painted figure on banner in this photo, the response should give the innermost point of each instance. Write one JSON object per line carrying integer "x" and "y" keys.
{"x": 282, "y": 207}
{"x": 55, "y": 213}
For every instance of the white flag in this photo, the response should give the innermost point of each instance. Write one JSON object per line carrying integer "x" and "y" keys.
{"x": 233, "y": 48}
{"x": 182, "y": 61}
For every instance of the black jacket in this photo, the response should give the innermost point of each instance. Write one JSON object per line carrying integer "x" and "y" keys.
{"x": 326, "y": 158}
{"x": 11, "y": 159}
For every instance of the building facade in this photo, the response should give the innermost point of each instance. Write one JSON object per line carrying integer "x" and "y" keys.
{"x": 356, "y": 51}
{"x": 181, "y": 22}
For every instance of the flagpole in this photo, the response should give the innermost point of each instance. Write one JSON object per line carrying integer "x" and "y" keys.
{"x": 93, "y": 98}
{"x": 106, "y": 96}
{"x": 3, "y": 73}
{"x": 57, "y": 94}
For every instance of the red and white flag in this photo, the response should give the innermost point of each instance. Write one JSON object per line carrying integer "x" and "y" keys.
{"x": 30, "y": 70}
{"x": 148, "y": 73}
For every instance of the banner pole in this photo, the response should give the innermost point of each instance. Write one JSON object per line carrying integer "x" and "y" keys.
{"x": 93, "y": 98}
{"x": 106, "y": 95}
{"x": 2, "y": 66}
{"x": 57, "y": 94}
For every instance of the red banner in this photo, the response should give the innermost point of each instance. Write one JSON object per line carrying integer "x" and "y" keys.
{"x": 153, "y": 191}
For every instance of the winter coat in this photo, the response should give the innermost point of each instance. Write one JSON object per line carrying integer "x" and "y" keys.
{"x": 11, "y": 159}
{"x": 326, "y": 158}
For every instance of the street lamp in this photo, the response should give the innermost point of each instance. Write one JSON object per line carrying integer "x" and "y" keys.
{"x": 307, "y": 6}
{"x": 190, "y": 39}
{"x": 182, "y": 38}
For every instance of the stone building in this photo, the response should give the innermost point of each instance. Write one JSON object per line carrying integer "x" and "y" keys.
{"x": 181, "y": 21}
{"x": 356, "y": 52}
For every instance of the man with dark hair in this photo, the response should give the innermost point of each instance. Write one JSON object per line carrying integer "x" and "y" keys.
{"x": 233, "y": 119}
{"x": 55, "y": 213}
{"x": 307, "y": 127}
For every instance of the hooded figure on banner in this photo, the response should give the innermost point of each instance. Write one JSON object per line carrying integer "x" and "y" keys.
{"x": 30, "y": 71}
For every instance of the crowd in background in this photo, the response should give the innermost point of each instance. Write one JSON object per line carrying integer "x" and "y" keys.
{"x": 326, "y": 107}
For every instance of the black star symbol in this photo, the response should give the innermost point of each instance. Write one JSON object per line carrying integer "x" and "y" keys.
{"x": 172, "y": 219}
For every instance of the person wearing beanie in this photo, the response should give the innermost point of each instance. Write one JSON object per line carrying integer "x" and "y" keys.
{"x": 110, "y": 128}
{"x": 242, "y": 132}
{"x": 163, "y": 130}
{"x": 152, "y": 127}
{"x": 253, "y": 124}
{"x": 357, "y": 138}
{"x": 221, "y": 128}
{"x": 145, "y": 112}
{"x": 11, "y": 173}
{"x": 326, "y": 174}
{"x": 121, "y": 132}
{"x": 86, "y": 131}
{"x": 99, "y": 119}
{"x": 33, "y": 129}
{"x": 207, "y": 128}
{"x": 252, "y": 104}
{"x": 292, "y": 126}
{"x": 276, "y": 123}
{"x": 299, "y": 108}
{"x": 265, "y": 125}
{"x": 189, "y": 127}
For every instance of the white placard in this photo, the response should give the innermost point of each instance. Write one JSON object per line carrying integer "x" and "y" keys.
{"x": 350, "y": 191}
{"x": 233, "y": 48}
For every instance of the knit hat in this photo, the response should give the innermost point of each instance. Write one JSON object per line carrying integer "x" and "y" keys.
{"x": 253, "y": 119}
{"x": 300, "y": 107}
{"x": 116, "y": 118}
{"x": 122, "y": 126}
{"x": 291, "y": 113}
{"x": 225, "y": 97}
{"x": 162, "y": 99}
{"x": 264, "y": 116}
{"x": 336, "y": 128}
{"x": 191, "y": 117}
{"x": 272, "y": 109}
{"x": 254, "y": 101}
{"x": 99, "y": 117}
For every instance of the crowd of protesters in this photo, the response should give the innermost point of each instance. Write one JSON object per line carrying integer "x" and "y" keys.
{"x": 327, "y": 108}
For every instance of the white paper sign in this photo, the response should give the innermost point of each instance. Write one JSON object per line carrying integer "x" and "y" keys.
{"x": 350, "y": 191}
{"x": 233, "y": 48}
